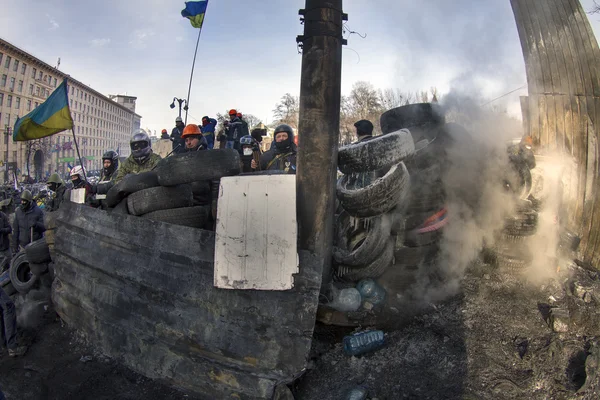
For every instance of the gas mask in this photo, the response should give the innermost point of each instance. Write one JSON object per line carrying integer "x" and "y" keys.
{"x": 247, "y": 151}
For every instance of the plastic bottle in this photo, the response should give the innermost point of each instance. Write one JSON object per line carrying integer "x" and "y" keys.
{"x": 357, "y": 393}
{"x": 371, "y": 291}
{"x": 363, "y": 342}
{"x": 346, "y": 300}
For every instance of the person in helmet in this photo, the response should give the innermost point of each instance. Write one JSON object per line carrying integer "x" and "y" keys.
{"x": 364, "y": 130}
{"x": 164, "y": 134}
{"x": 194, "y": 140}
{"x": 178, "y": 144}
{"x": 234, "y": 131}
{"x": 29, "y": 222}
{"x": 250, "y": 151}
{"x": 57, "y": 185}
{"x": 209, "y": 125}
{"x": 78, "y": 179}
{"x": 282, "y": 154}
{"x": 110, "y": 166}
{"x": 142, "y": 158}
{"x": 245, "y": 129}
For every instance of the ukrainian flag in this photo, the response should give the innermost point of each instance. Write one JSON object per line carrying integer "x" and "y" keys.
{"x": 194, "y": 11}
{"x": 50, "y": 117}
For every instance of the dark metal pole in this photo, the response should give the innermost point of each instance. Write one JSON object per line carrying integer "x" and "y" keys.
{"x": 318, "y": 128}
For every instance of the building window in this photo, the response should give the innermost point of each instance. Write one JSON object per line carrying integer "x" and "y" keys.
{"x": 23, "y": 68}
{"x": 1, "y": 56}
{"x": 37, "y": 90}
{"x": 3, "y": 81}
{"x": 31, "y": 89}
{"x": 9, "y": 101}
{"x": 1, "y": 99}
{"x": 7, "y": 63}
{"x": 28, "y": 105}
{"x": 40, "y": 75}
{"x": 20, "y": 87}
{"x": 34, "y": 73}
{"x": 15, "y": 155}
{"x": 18, "y": 103}
{"x": 55, "y": 82}
{"x": 36, "y": 104}
{"x": 16, "y": 66}
{"x": 12, "y": 84}
{"x": 72, "y": 90}
{"x": 8, "y": 119}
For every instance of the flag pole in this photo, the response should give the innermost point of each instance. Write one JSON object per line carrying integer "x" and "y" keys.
{"x": 78, "y": 155}
{"x": 187, "y": 102}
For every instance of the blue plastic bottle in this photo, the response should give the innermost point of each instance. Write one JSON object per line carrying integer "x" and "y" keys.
{"x": 357, "y": 393}
{"x": 363, "y": 342}
{"x": 371, "y": 291}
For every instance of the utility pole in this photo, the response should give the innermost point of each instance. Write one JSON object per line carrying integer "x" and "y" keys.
{"x": 320, "y": 90}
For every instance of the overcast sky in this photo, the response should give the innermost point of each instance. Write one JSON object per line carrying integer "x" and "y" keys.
{"x": 248, "y": 58}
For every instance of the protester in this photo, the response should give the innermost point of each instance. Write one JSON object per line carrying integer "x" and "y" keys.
{"x": 209, "y": 126}
{"x": 194, "y": 140}
{"x": 178, "y": 145}
{"x": 165, "y": 134}
{"x": 250, "y": 152}
{"x": 235, "y": 131}
{"x": 364, "y": 130}
{"x": 282, "y": 155}
{"x": 29, "y": 222}
{"x": 5, "y": 231}
{"x": 142, "y": 158}
{"x": 56, "y": 185}
{"x": 245, "y": 129}
{"x": 9, "y": 321}
{"x": 110, "y": 163}
{"x": 78, "y": 178}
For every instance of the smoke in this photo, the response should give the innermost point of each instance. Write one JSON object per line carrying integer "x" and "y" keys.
{"x": 477, "y": 202}
{"x": 33, "y": 307}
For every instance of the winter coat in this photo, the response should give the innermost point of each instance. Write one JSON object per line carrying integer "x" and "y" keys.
{"x": 5, "y": 230}
{"x": 208, "y": 132}
{"x": 235, "y": 130}
{"x": 24, "y": 221}
{"x": 131, "y": 166}
{"x": 283, "y": 160}
{"x": 177, "y": 140}
{"x": 56, "y": 201}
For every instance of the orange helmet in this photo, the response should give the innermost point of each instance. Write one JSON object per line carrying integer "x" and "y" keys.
{"x": 232, "y": 112}
{"x": 239, "y": 115}
{"x": 527, "y": 141}
{"x": 190, "y": 130}
{"x": 164, "y": 131}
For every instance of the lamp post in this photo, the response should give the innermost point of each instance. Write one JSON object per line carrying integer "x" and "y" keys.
{"x": 180, "y": 101}
{"x": 7, "y": 133}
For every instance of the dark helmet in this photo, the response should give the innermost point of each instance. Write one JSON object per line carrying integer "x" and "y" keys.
{"x": 140, "y": 144}
{"x": 26, "y": 195}
{"x": 113, "y": 156}
{"x": 247, "y": 140}
{"x": 364, "y": 127}
{"x": 283, "y": 145}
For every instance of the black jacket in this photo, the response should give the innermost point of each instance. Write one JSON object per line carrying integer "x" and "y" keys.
{"x": 283, "y": 160}
{"x": 5, "y": 230}
{"x": 177, "y": 140}
{"x": 24, "y": 221}
{"x": 55, "y": 202}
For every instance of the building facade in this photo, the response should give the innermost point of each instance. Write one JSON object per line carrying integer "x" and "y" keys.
{"x": 100, "y": 123}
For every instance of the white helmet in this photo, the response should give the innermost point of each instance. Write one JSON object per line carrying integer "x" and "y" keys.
{"x": 78, "y": 170}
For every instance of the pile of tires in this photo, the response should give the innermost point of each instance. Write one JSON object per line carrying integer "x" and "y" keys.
{"x": 181, "y": 190}
{"x": 419, "y": 225}
{"x": 375, "y": 185}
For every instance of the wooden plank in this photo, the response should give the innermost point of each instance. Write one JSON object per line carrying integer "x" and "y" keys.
{"x": 533, "y": 8}
{"x": 581, "y": 158}
{"x": 534, "y": 118}
{"x": 568, "y": 124}
{"x": 580, "y": 48}
{"x": 543, "y": 121}
{"x": 559, "y": 118}
{"x": 525, "y": 114}
{"x": 556, "y": 62}
{"x": 591, "y": 54}
{"x": 592, "y": 179}
{"x": 551, "y": 123}
{"x": 533, "y": 67}
{"x": 567, "y": 44}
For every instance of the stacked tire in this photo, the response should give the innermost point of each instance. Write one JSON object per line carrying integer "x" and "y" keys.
{"x": 375, "y": 184}
{"x": 178, "y": 191}
{"x": 418, "y": 225}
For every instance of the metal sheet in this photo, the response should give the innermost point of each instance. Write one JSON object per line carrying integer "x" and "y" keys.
{"x": 256, "y": 234}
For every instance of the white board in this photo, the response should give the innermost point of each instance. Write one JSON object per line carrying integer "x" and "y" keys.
{"x": 256, "y": 233}
{"x": 78, "y": 196}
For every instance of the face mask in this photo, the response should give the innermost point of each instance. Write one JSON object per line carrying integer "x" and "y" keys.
{"x": 247, "y": 152}
{"x": 24, "y": 205}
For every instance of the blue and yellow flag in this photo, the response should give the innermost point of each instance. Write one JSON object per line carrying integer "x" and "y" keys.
{"x": 50, "y": 117}
{"x": 194, "y": 11}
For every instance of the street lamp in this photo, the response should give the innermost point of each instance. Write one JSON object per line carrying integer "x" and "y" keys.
{"x": 180, "y": 101}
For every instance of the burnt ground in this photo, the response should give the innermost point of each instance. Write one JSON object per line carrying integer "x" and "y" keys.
{"x": 501, "y": 338}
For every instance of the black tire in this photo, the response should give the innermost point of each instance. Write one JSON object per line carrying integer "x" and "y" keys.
{"x": 398, "y": 222}
{"x": 413, "y": 256}
{"x": 372, "y": 270}
{"x": 198, "y": 166}
{"x": 376, "y": 154}
{"x": 38, "y": 252}
{"x": 517, "y": 179}
{"x": 9, "y": 289}
{"x": 121, "y": 208}
{"x": 377, "y": 198}
{"x": 511, "y": 263}
{"x": 568, "y": 241}
{"x": 114, "y": 196}
{"x": 38, "y": 269}
{"x": 21, "y": 276}
{"x": 159, "y": 198}
{"x": 200, "y": 187}
{"x": 414, "y": 239}
{"x": 194, "y": 217}
{"x": 5, "y": 278}
{"x": 521, "y": 224}
{"x": 132, "y": 183}
{"x": 356, "y": 246}
{"x": 426, "y": 199}
{"x": 411, "y": 115}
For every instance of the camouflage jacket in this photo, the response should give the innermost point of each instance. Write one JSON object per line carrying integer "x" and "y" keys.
{"x": 130, "y": 166}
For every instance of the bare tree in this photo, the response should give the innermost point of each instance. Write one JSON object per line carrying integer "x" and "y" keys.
{"x": 391, "y": 98}
{"x": 595, "y": 9}
{"x": 287, "y": 110}
{"x": 251, "y": 120}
